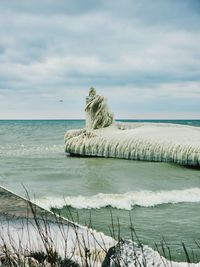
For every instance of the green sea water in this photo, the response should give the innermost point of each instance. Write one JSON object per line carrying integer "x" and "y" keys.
{"x": 32, "y": 155}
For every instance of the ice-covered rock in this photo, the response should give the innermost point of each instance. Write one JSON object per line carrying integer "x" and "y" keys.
{"x": 128, "y": 253}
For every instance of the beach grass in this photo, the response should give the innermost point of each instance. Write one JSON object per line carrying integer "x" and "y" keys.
{"x": 82, "y": 254}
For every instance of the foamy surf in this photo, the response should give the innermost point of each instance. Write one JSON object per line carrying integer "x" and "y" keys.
{"x": 124, "y": 201}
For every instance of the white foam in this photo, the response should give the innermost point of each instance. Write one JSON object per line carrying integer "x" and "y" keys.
{"x": 124, "y": 201}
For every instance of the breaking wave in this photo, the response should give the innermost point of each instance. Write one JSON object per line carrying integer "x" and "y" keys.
{"x": 124, "y": 201}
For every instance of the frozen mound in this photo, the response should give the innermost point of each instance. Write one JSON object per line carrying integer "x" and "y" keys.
{"x": 139, "y": 141}
{"x": 131, "y": 254}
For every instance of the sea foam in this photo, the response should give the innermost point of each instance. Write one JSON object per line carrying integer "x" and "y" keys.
{"x": 126, "y": 201}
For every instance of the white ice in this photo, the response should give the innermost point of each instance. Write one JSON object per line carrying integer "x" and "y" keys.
{"x": 139, "y": 141}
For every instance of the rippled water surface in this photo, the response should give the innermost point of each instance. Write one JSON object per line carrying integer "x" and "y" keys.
{"x": 162, "y": 199}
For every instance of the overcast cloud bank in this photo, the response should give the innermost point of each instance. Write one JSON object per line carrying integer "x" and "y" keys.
{"x": 143, "y": 55}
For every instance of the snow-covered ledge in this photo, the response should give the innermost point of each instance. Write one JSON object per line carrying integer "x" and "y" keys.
{"x": 104, "y": 137}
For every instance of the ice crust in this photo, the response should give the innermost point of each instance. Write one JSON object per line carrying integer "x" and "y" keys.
{"x": 138, "y": 141}
{"x": 132, "y": 254}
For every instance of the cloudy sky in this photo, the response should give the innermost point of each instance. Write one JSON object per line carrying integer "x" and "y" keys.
{"x": 144, "y": 55}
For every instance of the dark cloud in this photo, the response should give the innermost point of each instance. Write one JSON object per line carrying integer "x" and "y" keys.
{"x": 49, "y": 7}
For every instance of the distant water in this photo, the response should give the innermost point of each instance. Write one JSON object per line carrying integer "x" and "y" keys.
{"x": 162, "y": 199}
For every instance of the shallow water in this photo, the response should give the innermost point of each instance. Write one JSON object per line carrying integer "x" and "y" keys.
{"x": 32, "y": 155}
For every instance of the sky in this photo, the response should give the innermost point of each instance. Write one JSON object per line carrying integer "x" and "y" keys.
{"x": 143, "y": 55}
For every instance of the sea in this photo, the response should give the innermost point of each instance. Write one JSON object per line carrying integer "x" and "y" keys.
{"x": 155, "y": 203}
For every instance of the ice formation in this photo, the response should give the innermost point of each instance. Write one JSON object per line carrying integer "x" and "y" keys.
{"x": 104, "y": 137}
{"x": 132, "y": 254}
{"x": 97, "y": 112}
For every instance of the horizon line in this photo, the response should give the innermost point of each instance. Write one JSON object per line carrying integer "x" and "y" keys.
{"x": 83, "y": 119}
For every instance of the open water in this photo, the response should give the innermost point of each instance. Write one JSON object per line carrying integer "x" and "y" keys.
{"x": 162, "y": 199}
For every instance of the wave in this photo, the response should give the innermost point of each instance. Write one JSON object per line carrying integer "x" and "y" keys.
{"x": 124, "y": 201}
